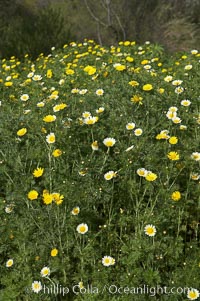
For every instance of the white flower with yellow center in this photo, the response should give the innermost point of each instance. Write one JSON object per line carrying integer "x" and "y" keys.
{"x": 75, "y": 91}
{"x": 86, "y": 114}
{"x": 108, "y": 261}
{"x": 171, "y": 114}
{"x": 51, "y": 138}
{"x": 168, "y": 78}
{"x": 195, "y": 156}
{"x": 83, "y": 91}
{"x": 75, "y": 210}
{"x": 91, "y": 120}
{"x": 109, "y": 175}
{"x": 150, "y": 230}
{"x": 45, "y": 272}
{"x": 188, "y": 67}
{"x": 176, "y": 120}
{"x": 193, "y": 294}
{"x": 37, "y": 77}
{"x": 109, "y": 142}
{"x": 99, "y": 92}
{"x": 95, "y": 146}
{"x": 82, "y": 228}
{"x": 194, "y": 51}
{"x": 138, "y": 132}
{"x": 179, "y": 90}
{"x": 142, "y": 172}
{"x": 185, "y": 102}
{"x": 130, "y": 126}
{"x": 177, "y": 82}
{"x": 36, "y": 287}
{"x": 24, "y": 97}
{"x": 100, "y": 110}
{"x": 40, "y": 104}
{"x": 9, "y": 263}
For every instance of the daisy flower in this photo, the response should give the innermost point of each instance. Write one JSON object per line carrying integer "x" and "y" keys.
{"x": 109, "y": 142}
{"x": 130, "y": 126}
{"x": 108, "y": 261}
{"x": 142, "y": 172}
{"x": 176, "y": 196}
{"x": 193, "y": 294}
{"x": 36, "y": 287}
{"x": 185, "y": 102}
{"x": 38, "y": 172}
{"x": 21, "y": 132}
{"x": 75, "y": 210}
{"x": 109, "y": 175}
{"x": 24, "y": 97}
{"x": 151, "y": 176}
{"x": 9, "y": 263}
{"x": 99, "y": 92}
{"x": 174, "y": 156}
{"x": 33, "y": 195}
{"x": 54, "y": 252}
{"x": 45, "y": 272}
{"x": 150, "y": 230}
{"x": 82, "y": 228}
{"x": 95, "y": 146}
{"x": 51, "y": 138}
{"x": 195, "y": 156}
{"x": 49, "y": 118}
{"x": 138, "y": 132}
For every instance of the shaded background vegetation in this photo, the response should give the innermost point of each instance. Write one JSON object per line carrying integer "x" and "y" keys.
{"x": 34, "y": 26}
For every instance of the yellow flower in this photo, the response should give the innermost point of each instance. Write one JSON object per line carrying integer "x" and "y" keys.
{"x": 90, "y": 70}
{"x": 120, "y": 67}
{"x": 49, "y": 118}
{"x": 129, "y": 59}
{"x": 38, "y": 172}
{"x": 176, "y": 195}
{"x": 136, "y": 98}
{"x": 174, "y": 156}
{"x": 57, "y": 152}
{"x": 54, "y": 252}
{"x": 47, "y": 198}
{"x": 133, "y": 83}
{"x": 21, "y": 132}
{"x": 151, "y": 176}
{"x": 57, "y": 198}
{"x": 70, "y": 71}
{"x": 173, "y": 140}
{"x": 8, "y": 84}
{"x": 49, "y": 73}
{"x": 59, "y": 107}
{"x": 147, "y": 87}
{"x": 33, "y": 195}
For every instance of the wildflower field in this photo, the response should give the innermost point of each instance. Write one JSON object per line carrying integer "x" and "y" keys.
{"x": 99, "y": 174}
